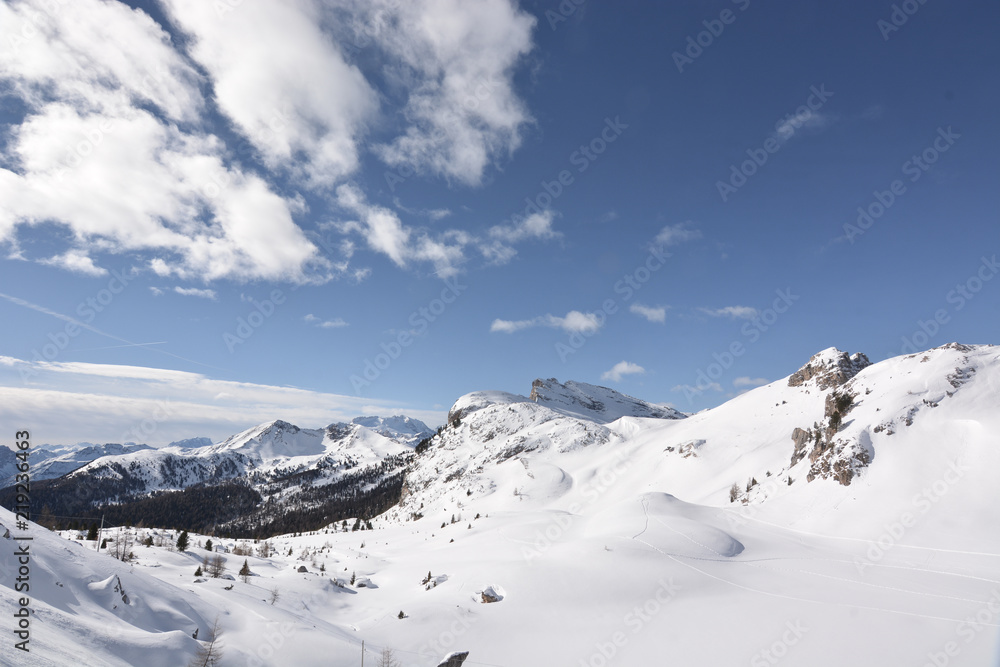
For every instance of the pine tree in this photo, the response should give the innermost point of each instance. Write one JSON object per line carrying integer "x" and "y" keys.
{"x": 245, "y": 571}
{"x": 198, "y": 572}
{"x": 92, "y": 532}
{"x": 353, "y": 578}
{"x": 208, "y": 545}
{"x": 182, "y": 541}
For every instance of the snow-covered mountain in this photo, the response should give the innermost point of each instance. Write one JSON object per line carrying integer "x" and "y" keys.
{"x": 599, "y": 404}
{"x": 398, "y": 428}
{"x": 50, "y": 462}
{"x": 278, "y": 471}
{"x": 266, "y": 451}
{"x": 840, "y": 515}
{"x": 578, "y": 400}
{"x": 830, "y": 420}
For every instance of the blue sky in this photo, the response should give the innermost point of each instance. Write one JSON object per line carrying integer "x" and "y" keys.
{"x": 371, "y": 191}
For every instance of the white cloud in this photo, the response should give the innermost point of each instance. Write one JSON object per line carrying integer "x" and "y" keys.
{"x": 535, "y": 226}
{"x": 283, "y": 82}
{"x": 90, "y": 46}
{"x": 651, "y": 313}
{"x": 805, "y": 118}
{"x": 385, "y": 233}
{"x": 116, "y": 143}
{"x": 335, "y": 323}
{"x": 498, "y": 248}
{"x": 457, "y": 60}
{"x": 77, "y": 261}
{"x": 194, "y": 291}
{"x": 109, "y": 403}
{"x": 679, "y": 233}
{"x": 573, "y": 322}
{"x": 621, "y": 369}
{"x": 735, "y": 312}
{"x": 511, "y": 326}
{"x": 91, "y": 157}
{"x": 747, "y": 381}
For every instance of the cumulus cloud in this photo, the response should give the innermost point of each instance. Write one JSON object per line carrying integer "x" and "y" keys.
{"x": 385, "y": 233}
{"x": 77, "y": 261}
{"x": 194, "y": 291}
{"x": 573, "y": 322}
{"x": 621, "y": 369}
{"x": 117, "y": 146}
{"x": 101, "y": 152}
{"x": 457, "y": 59}
{"x": 283, "y": 82}
{"x": 735, "y": 312}
{"x": 676, "y": 234}
{"x": 651, "y": 313}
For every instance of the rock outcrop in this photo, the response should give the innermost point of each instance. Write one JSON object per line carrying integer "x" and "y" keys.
{"x": 829, "y": 368}
{"x": 454, "y": 659}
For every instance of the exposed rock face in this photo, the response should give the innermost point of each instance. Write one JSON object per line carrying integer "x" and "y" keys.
{"x": 801, "y": 438}
{"x": 573, "y": 399}
{"x": 830, "y": 457}
{"x": 594, "y": 402}
{"x": 454, "y": 659}
{"x": 830, "y": 368}
{"x": 839, "y": 460}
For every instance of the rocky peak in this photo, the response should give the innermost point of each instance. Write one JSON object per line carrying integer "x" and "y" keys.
{"x": 829, "y": 368}
{"x": 595, "y": 403}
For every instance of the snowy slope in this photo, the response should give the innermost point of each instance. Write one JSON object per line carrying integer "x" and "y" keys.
{"x": 870, "y": 542}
